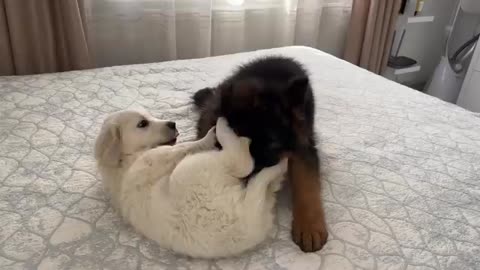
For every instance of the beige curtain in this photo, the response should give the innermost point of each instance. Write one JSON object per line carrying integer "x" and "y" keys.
{"x": 39, "y": 36}
{"x": 139, "y": 31}
{"x": 370, "y": 33}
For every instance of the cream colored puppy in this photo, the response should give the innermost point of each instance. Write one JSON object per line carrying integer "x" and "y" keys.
{"x": 188, "y": 197}
{"x": 124, "y": 136}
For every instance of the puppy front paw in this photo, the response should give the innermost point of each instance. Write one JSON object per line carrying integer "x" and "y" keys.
{"x": 245, "y": 143}
{"x": 225, "y": 135}
{"x": 283, "y": 164}
{"x": 210, "y": 140}
{"x": 309, "y": 231}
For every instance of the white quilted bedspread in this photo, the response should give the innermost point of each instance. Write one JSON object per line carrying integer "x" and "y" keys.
{"x": 400, "y": 170}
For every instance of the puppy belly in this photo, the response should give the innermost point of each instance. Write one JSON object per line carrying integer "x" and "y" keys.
{"x": 222, "y": 226}
{"x": 219, "y": 239}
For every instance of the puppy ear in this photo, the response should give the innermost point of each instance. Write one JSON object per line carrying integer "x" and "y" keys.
{"x": 108, "y": 146}
{"x": 241, "y": 94}
{"x": 297, "y": 90}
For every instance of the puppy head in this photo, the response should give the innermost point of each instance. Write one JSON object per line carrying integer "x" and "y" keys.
{"x": 267, "y": 112}
{"x": 128, "y": 132}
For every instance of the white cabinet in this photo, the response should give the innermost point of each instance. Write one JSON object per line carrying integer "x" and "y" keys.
{"x": 469, "y": 97}
{"x": 476, "y": 60}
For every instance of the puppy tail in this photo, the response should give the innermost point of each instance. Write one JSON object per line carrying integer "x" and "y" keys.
{"x": 201, "y": 97}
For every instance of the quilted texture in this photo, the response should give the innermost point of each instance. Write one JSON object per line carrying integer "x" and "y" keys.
{"x": 400, "y": 170}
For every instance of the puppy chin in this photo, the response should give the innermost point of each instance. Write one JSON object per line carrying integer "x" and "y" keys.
{"x": 172, "y": 142}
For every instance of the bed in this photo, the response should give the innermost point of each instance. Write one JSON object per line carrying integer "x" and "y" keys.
{"x": 400, "y": 170}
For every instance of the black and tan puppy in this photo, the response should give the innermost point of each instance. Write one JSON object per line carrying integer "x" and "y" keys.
{"x": 270, "y": 100}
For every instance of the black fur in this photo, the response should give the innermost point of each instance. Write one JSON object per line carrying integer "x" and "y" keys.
{"x": 269, "y": 100}
{"x": 202, "y": 96}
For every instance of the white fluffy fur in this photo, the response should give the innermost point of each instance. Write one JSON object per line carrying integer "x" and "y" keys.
{"x": 188, "y": 197}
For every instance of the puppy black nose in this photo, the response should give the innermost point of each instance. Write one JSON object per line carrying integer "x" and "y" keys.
{"x": 171, "y": 125}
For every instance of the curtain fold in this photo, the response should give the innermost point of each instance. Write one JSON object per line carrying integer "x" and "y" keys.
{"x": 6, "y": 63}
{"x": 370, "y": 33}
{"x": 141, "y": 31}
{"x": 39, "y": 36}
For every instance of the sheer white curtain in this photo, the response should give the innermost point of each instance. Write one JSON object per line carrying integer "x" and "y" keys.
{"x": 142, "y": 31}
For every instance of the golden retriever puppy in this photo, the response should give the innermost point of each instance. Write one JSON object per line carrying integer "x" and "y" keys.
{"x": 188, "y": 197}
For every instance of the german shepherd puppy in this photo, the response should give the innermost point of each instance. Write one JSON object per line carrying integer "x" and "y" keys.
{"x": 270, "y": 101}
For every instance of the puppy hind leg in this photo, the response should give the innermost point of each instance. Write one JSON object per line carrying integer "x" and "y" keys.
{"x": 276, "y": 184}
{"x": 259, "y": 198}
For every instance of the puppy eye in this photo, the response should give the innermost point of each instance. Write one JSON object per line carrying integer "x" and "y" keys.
{"x": 143, "y": 124}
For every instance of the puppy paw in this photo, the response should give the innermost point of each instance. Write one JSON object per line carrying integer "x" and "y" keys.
{"x": 309, "y": 232}
{"x": 225, "y": 135}
{"x": 275, "y": 172}
{"x": 245, "y": 143}
{"x": 210, "y": 140}
{"x": 222, "y": 123}
{"x": 283, "y": 165}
